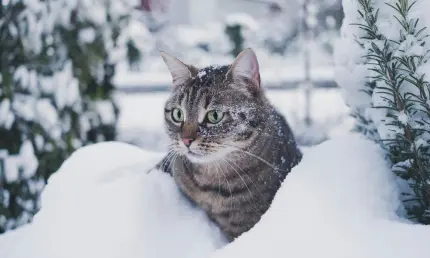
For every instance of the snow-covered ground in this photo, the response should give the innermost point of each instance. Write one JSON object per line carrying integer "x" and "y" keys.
{"x": 141, "y": 120}
{"x": 103, "y": 203}
{"x": 340, "y": 201}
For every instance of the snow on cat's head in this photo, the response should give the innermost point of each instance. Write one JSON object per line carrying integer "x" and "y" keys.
{"x": 216, "y": 110}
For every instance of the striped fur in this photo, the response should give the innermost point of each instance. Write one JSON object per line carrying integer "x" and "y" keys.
{"x": 233, "y": 169}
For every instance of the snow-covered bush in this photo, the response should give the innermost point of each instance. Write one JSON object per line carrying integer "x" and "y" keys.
{"x": 28, "y": 118}
{"x": 94, "y": 43}
{"x": 382, "y": 63}
{"x": 57, "y": 61}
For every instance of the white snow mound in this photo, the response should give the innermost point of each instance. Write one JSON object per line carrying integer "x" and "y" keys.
{"x": 102, "y": 203}
{"x": 340, "y": 201}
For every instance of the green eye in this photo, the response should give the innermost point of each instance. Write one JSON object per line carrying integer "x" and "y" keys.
{"x": 214, "y": 116}
{"x": 177, "y": 115}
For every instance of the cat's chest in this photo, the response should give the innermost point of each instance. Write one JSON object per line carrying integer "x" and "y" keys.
{"x": 204, "y": 191}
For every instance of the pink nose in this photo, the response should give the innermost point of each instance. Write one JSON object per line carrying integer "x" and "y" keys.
{"x": 187, "y": 141}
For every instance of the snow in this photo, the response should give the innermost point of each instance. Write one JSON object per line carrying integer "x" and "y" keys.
{"x": 138, "y": 33}
{"x": 353, "y": 70}
{"x": 410, "y": 47}
{"x": 6, "y": 117}
{"x": 119, "y": 210}
{"x": 201, "y": 73}
{"x": 106, "y": 111}
{"x": 403, "y": 117}
{"x": 86, "y": 35}
{"x": 46, "y": 114}
{"x": 242, "y": 19}
{"x": 19, "y": 166}
{"x": 340, "y": 201}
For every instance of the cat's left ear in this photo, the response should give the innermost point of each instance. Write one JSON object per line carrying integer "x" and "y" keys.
{"x": 245, "y": 70}
{"x": 180, "y": 72}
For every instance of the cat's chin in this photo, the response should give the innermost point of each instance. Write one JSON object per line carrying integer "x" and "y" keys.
{"x": 196, "y": 158}
{"x": 204, "y": 159}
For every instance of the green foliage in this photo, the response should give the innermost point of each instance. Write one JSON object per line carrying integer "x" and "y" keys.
{"x": 403, "y": 95}
{"x": 55, "y": 96}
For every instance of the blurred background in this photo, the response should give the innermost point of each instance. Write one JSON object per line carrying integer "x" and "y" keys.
{"x": 77, "y": 72}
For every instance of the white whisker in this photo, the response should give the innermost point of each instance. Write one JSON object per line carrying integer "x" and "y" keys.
{"x": 255, "y": 156}
{"x": 246, "y": 185}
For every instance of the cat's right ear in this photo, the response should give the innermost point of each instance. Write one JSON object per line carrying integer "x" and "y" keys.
{"x": 245, "y": 70}
{"x": 179, "y": 71}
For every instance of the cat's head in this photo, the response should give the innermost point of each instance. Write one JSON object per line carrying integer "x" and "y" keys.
{"x": 215, "y": 110}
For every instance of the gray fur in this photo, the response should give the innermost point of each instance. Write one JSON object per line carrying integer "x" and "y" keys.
{"x": 234, "y": 185}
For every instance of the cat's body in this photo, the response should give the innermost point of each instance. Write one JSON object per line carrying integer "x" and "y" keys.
{"x": 231, "y": 149}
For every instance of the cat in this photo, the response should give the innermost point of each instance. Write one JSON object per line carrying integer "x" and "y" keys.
{"x": 230, "y": 148}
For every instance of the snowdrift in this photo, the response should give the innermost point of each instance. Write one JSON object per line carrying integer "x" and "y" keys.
{"x": 341, "y": 201}
{"x": 102, "y": 203}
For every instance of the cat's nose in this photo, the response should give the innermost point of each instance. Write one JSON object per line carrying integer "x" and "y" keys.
{"x": 187, "y": 141}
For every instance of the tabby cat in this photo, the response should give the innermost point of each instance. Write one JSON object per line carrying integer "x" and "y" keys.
{"x": 230, "y": 149}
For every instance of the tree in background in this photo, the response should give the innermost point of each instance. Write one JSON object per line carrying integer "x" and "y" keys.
{"x": 234, "y": 32}
{"x": 283, "y": 24}
{"x": 57, "y": 62}
{"x": 386, "y": 78}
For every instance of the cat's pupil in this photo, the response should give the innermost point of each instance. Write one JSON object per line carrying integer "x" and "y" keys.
{"x": 177, "y": 115}
{"x": 215, "y": 115}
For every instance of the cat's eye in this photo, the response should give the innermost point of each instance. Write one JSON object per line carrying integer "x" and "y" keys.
{"x": 177, "y": 115}
{"x": 214, "y": 116}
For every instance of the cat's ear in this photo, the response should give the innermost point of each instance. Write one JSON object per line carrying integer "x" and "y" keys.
{"x": 180, "y": 72}
{"x": 245, "y": 70}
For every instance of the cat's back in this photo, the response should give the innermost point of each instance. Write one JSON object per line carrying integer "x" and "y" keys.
{"x": 285, "y": 145}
